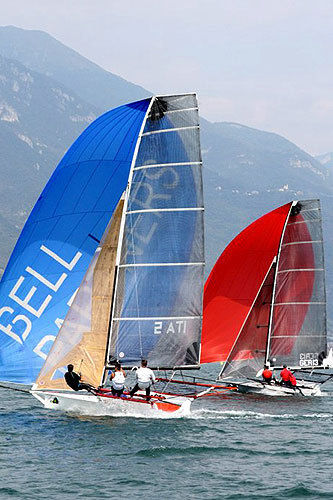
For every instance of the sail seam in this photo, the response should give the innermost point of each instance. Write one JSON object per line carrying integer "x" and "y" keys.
{"x": 301, "y": 242}
{"x": 310, "y": 209}
{"x": 295, "y": 336}
{"x": 299, "y": 270}
{"x": 148, "y": 318}
{"x": 158, "y": 264}
{"x": 296, "y": 303}
{"x": 303, "y": 222}
{"x": 165, "y": 210}
{"x": 179, "y": 110}
{"x": 164, "y": 130}
{"x": 182, "y": 164}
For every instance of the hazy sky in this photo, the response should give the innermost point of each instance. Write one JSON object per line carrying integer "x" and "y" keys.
{"x": 263, "y": 63}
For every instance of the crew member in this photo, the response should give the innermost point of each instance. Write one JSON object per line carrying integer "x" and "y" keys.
{"x": 117, "y": 380}
{"x": 144, "y": 378}
{"x": 267, "y": 374}
{"x": 73, "y": 380}
{"x": 286, "y": 377}
{"x": 293, "y": 381}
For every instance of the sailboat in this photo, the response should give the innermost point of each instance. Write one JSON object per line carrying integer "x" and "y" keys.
{"x": 109, "y": 265}
{"x": 265, "y": 303}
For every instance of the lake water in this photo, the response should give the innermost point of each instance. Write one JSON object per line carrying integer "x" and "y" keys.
{"x": 238, "y": 447}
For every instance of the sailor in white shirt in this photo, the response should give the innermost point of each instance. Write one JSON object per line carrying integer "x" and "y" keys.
{"x": 117, "y": 380}
{"x": 144, "y": 378}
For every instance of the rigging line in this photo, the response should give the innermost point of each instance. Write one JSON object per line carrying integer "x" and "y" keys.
{"x": 269, "y": 333}
{"x": 15, "y": 389}
{"x": 122, "y": 223}
{"x": 133, "y": 244}
{"x": 227, "y": 362}
{"x": 136, "y": 284}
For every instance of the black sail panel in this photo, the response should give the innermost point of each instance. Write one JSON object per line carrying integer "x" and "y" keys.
{"x": 298, "y": 332}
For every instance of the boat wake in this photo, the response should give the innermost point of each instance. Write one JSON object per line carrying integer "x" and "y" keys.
{"x": 206, "y": 414}
{"x": 133, "y": 414}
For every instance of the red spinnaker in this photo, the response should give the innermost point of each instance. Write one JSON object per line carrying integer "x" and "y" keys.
{"x": 234, "y": 283}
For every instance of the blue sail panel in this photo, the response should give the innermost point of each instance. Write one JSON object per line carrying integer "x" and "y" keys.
{"x": 60, "y": 238}
{"x": 158, "y": 298}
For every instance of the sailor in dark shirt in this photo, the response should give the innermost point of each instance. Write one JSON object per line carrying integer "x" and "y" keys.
{"x": 73, "y": 380}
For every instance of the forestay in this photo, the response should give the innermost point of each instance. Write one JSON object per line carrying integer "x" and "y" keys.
{"x": 157, "y": 307}
{"x": 248, "y": 354}
{"x": 83, "y": 336}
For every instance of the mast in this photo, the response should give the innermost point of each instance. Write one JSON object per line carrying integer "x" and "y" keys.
{"x": 274, "y": 285}
{"x": 121, "y": 234}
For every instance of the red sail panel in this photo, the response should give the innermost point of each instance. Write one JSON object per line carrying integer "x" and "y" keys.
{"x": 248, "y": 354}
{"x": 234, "y": 283}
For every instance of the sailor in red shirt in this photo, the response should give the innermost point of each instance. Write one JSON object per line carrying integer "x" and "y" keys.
{"x": 267, "y": 374}
{"x": 287, "y": 378}
{"x": 292, "y": 380}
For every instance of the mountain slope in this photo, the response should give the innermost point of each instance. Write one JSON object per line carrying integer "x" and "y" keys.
{"x": 41, "y": 52}
{"x": 247, "y": 172}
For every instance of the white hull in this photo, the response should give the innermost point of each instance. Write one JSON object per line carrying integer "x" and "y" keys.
{"x": 302, "y": 389}
{"x": 84, "y": 403}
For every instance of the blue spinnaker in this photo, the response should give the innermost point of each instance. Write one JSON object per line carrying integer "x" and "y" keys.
{"x": 60, "y": 237}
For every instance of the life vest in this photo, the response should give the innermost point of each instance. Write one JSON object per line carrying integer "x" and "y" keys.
{"x": 285, "y": 375}
{"x": 292, "y": 380}
{"x": 267, "y": 374}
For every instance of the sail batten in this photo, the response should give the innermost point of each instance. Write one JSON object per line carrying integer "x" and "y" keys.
{"x": 158, "y": 299}
{"x": 145, "y": 318}
{"x": 182, "y": 164}
{"x": 162, "y": 131}
{"x": 287, "y": 322}
{"x": 299, "y": 313}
